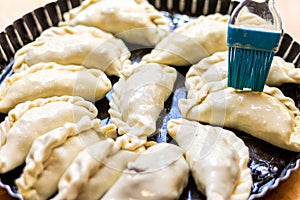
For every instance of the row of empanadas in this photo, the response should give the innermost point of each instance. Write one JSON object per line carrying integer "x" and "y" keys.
{"x": 267, "y": 115}
{"x": 134, "y": 21}
{"x": 193, "y": 41}
{"x": 29, "y": 120}
{"x": 79, "y": 45}
{"x": 68, "y": 150}
{"x": 94, "y": 171}
{"x": 52, "y": 153}
{"x": 45, "y": 80}
{"x": 217, "y": 158}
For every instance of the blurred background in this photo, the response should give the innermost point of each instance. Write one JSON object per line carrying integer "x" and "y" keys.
{"x": 14, "y": 9}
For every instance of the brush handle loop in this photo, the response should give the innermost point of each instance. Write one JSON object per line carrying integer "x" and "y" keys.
{"x": 257, "y": 14}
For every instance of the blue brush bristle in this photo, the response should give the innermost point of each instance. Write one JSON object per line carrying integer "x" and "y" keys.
{"x": 250, "y": 57}
{"x": 248, "y": 68}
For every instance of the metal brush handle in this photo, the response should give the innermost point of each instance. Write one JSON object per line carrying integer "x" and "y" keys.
{"x": 257, "y": 14}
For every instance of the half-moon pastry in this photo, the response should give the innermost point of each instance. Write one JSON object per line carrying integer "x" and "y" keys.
{"x": 192, "y": 42}
{"x": 159, "y": 173}
{"x": 52, "y": 153}
{"x": 94, "y": 171}
{"x": 134, "y": 21}
{"x": 45, "y": 80}
{"x": 267, "y": 115}
{"x": 138, "y": 100}
{"x": 217, "y": 158}
{"x": 79, "y": 45}
{"x": 31, "y": 119}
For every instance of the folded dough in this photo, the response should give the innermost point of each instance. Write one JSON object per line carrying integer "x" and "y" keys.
{"x": 134, "y": 21}
{"x": 282, "y": 72}
{"x": 138, "y": 100}
{"x": 160, "y": 172}
{"x": 193, "y": 41}
{"x": 79, "y": 45}
{"x": 217, "y": 158}
{"x": 50, "y": 79}
{"x": 268, "y": 115}
{"x": 29, "y": 120}
{"x": 52, "y": 153}
{"x": 94, "y": 171}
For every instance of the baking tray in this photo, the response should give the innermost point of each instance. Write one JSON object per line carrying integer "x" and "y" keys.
{"x": 269, "y": 164}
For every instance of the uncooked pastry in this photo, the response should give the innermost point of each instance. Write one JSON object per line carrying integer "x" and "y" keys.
{"x": 45, "y": 80}
{"x": 267, "y": 115}
{"x": 134, "y": 21}
{"x": 94, "y": 171}
{"x": 159, "y": 173}
{"x": 79, "y": 45}
{"x": 138, "y": 100}
{"x": 192, "y": 42}
{"x": 217, "y": 158}
{"x": 52, "y": 153}
{"x": 31, "y": 119}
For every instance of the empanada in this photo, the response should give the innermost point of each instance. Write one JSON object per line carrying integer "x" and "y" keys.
{"x": 217, "y": 158}
{"x": 79, "y": 45}
{"x": 160, "y": 172}
{"x": 94, "y": 171}
{"x": 134, "y": 21}
{"x": 193, "y": 41}
{"x": 29, "y": 120}
{"x": 268, "y": 115}
{"x": 45, "y": 80}
{"x": 282, "y": 72}
{"x": 138, "y": 100}
{"x": 52, "y": 153}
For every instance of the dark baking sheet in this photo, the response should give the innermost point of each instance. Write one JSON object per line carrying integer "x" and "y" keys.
{"x": 269, "y": 164}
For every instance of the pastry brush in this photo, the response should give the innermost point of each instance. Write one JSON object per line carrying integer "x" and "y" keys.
{"x": 254, "y": 32}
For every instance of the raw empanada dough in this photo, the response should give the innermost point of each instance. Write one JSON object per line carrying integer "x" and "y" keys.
{"x": 282, "y": 72}
{"x": 138, "y": 100}
{"x": 29, "y": 120}
{"x": 45, "y": 80}
{"x": 79, "y": 45}
{"x": 217, "y": 158}
{"x": 134, "y": 21}
{"x": 52, "y": 153}
{"x": 160, "y": 172}
{"x": 193, "y": 41}
{"x": 267, "y": 115}
{"x": 94, "y": 171}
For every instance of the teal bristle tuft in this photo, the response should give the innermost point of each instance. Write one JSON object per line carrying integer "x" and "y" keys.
{"x": 248, "y": 68}
{"x": 250, "y": 57}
